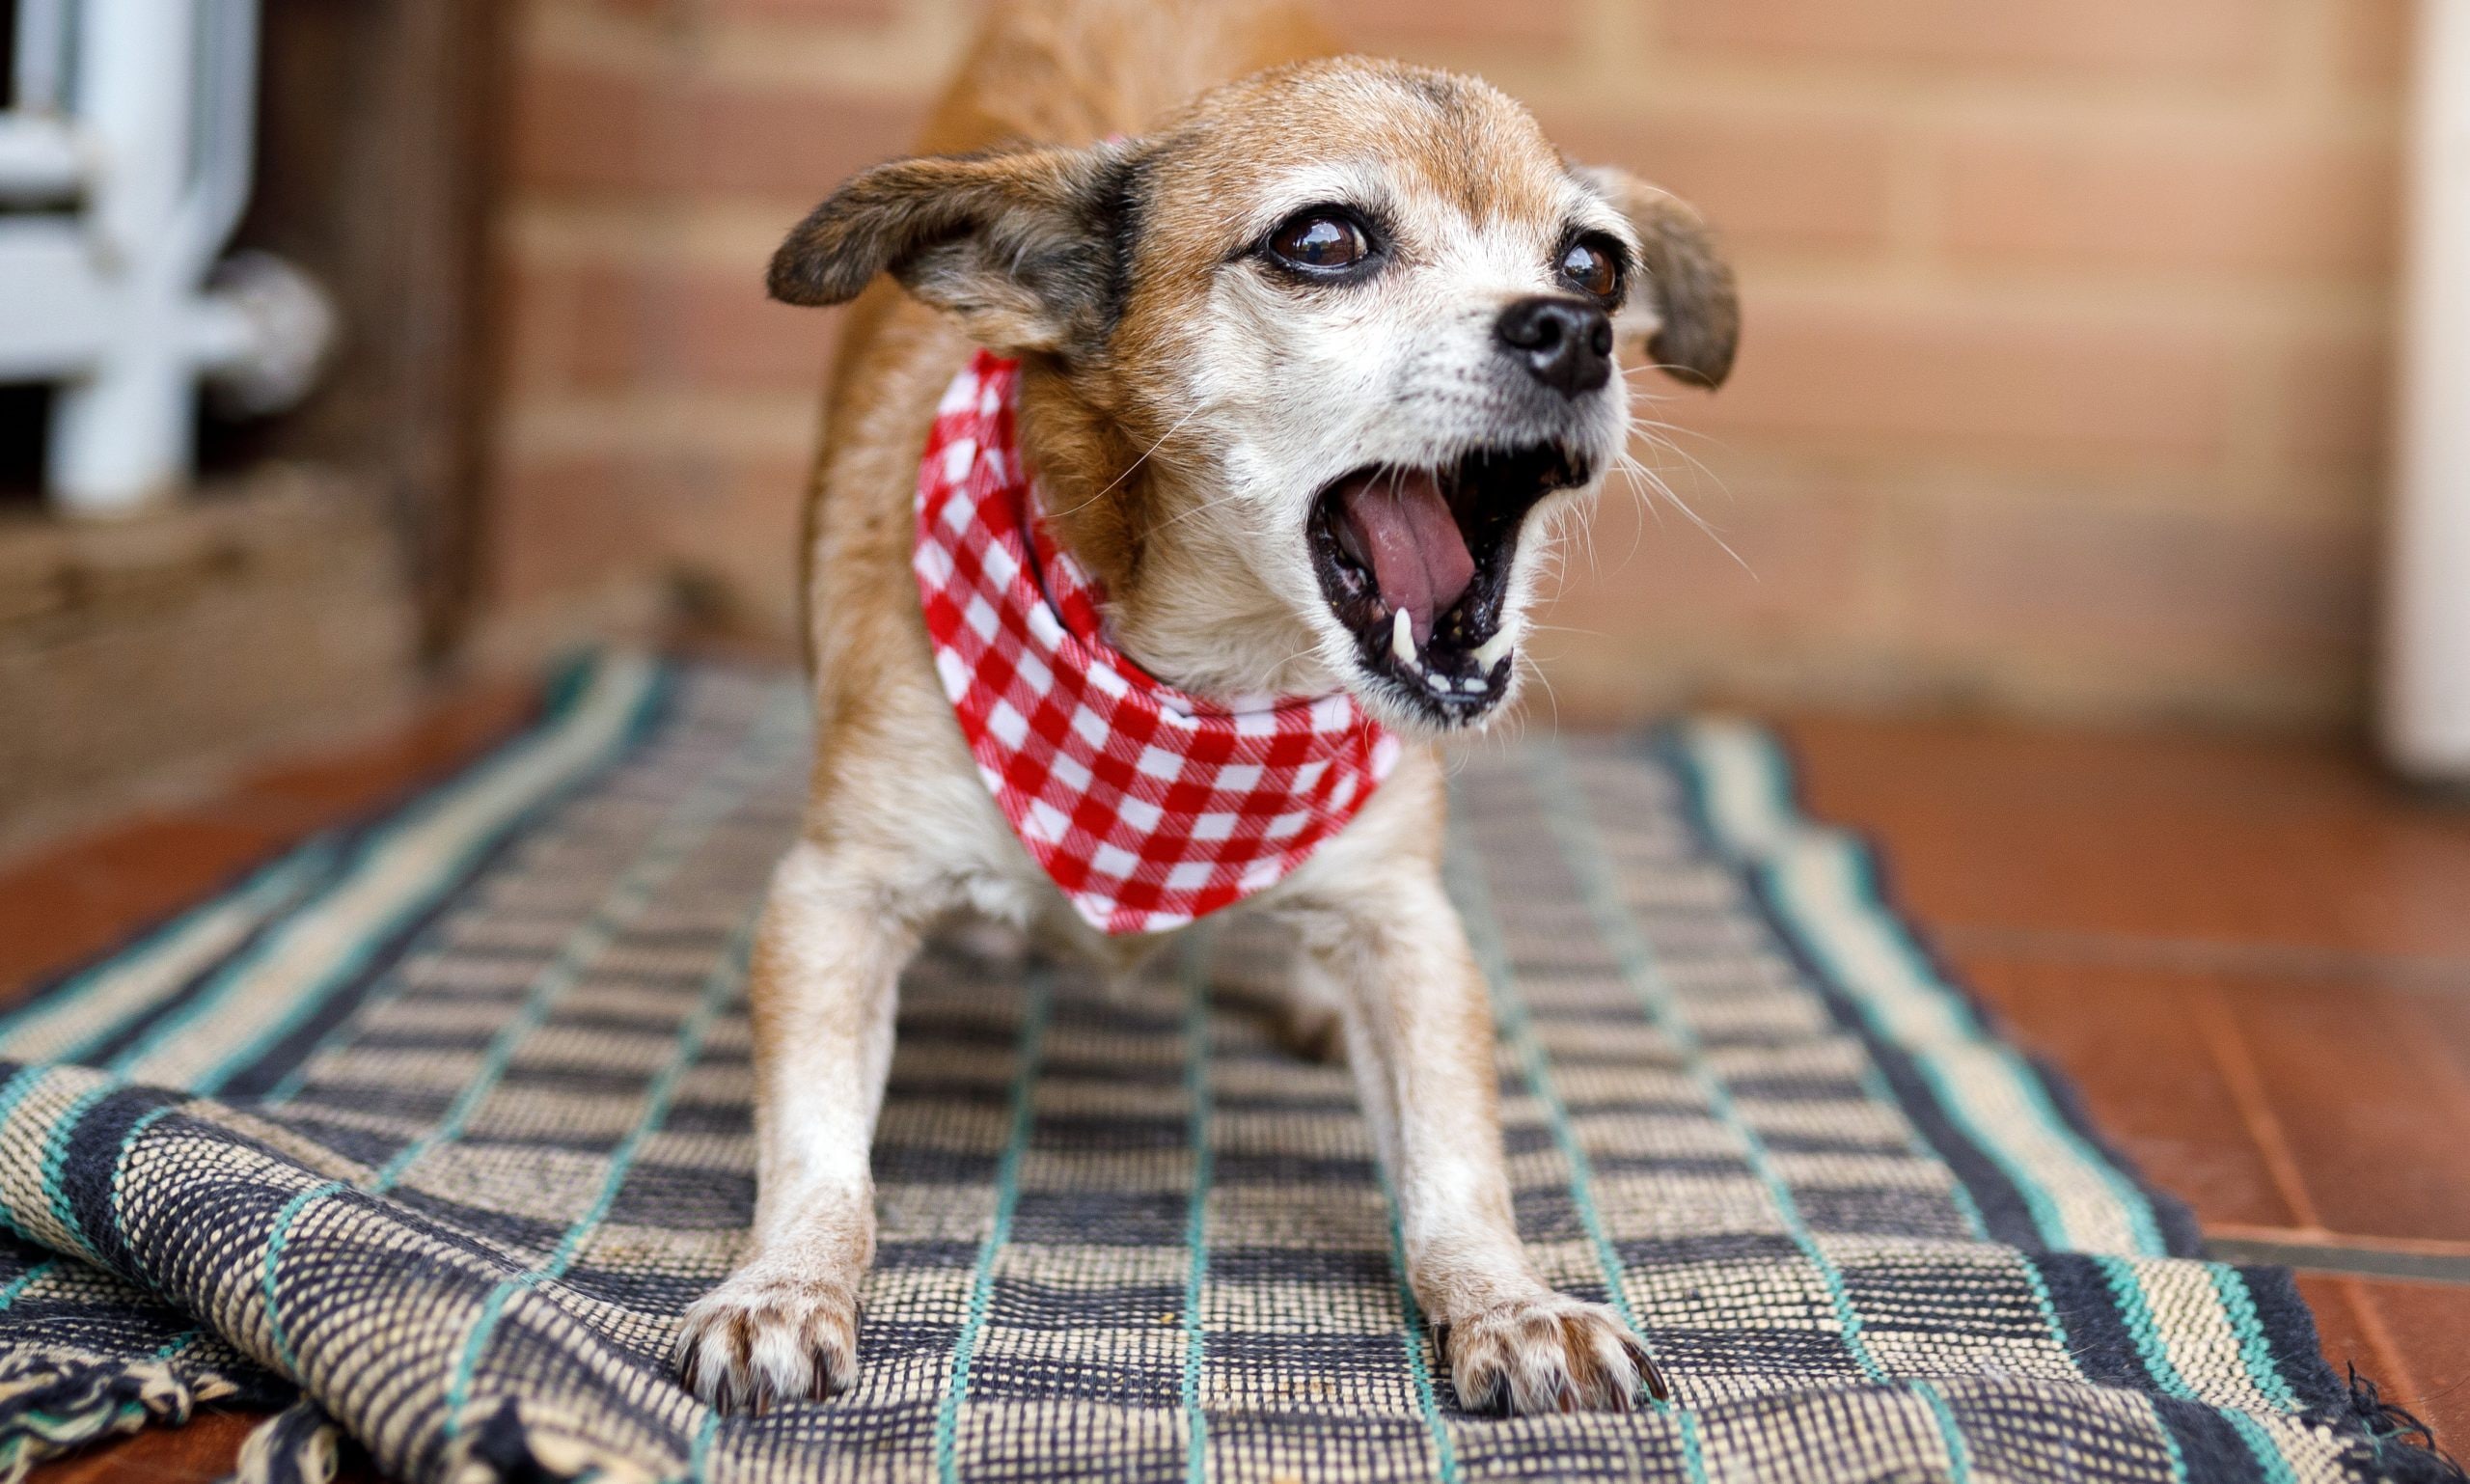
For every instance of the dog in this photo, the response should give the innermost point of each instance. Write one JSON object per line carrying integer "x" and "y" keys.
{"x": 1306, "y": 355}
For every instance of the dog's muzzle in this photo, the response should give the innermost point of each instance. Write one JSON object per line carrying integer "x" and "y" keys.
{"x": 1416, "y": 563}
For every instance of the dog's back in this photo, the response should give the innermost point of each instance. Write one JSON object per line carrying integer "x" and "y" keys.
{"x": 1073, "y": 71}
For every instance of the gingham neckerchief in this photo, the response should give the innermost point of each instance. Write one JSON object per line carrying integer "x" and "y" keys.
{"x": 1148, "y": 807}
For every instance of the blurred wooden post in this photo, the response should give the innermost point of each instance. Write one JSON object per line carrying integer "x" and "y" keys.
{"x": 384, "y": 129}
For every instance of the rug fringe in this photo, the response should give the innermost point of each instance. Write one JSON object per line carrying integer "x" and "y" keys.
{"x": 2400, "y": 1447}
{"x": 300, "y": 1445}
{"x": 48, "y": 1406}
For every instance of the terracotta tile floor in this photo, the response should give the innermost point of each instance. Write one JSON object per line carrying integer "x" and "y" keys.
{"x": 2254, "y": 960}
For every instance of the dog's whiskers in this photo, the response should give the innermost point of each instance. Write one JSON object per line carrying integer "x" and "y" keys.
{"x": 1203, "y": 508}
{"x": 1134, "y": 465}
{"x": 1648, "y": 483}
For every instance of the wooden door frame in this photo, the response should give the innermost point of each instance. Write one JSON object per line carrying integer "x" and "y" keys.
{"x": 382, "y": 137}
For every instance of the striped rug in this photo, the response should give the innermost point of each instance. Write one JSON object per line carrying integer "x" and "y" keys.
{"x": 431, "y": 1128}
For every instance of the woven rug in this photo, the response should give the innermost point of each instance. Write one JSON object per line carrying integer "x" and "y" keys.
{"x": 435, "y": 1124}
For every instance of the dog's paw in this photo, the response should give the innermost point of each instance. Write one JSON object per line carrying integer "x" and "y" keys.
{"x": 763, "y": 1339}
{"x": 1548, "y": 1354}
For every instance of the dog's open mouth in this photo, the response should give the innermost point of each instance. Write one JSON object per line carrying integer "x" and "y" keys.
{"x": 1415, "y": 563}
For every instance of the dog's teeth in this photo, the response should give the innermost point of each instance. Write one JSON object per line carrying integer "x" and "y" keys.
{"x": 1402, "y": 639}
{"x": 1474, "y": 683}
{"x": 1491, "y": 649}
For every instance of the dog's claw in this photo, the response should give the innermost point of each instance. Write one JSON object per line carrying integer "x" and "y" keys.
{"x": 1548, "y": 1354}
{"x": 761, "y": 1340}
{"x": 1657, "y": 1388}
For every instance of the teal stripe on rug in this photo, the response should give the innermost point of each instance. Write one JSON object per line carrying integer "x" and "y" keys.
{"x": 27, "y": 1279}
{"x": 88, "y": 1008}
{"x": 1028, "y": 1050}
{"x": 1470, "y": 888}
{"x": 1195, "y": 968}
{"x": 1415, "y": 1338}
{"x": 1474, "y": 897}
{"x": 2254, "y": 1350}
{"x": 2082, "y": 1200}
{"x": 1566, "y": 814}
{"x": 93, "y": 1007}
{"x": 399, "y": 872}
{"x": 14, "y": 1093}
{"x": 688, "y": 824}
{"x": 278, "y": 1237}
{"x": 719, "y": 991}
{"x": 1751, "y": 801}
{"x": 55, "y": 1160}
{"x": 2136, "y": 1310}
{"x": 1959, "y": 1453}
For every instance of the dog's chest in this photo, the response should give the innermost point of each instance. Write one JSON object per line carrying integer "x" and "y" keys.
{"x": 970, "y": 847}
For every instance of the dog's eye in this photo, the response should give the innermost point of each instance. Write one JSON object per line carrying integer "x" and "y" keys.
{"x": 1590, "y": 266}
{"x": 1322, "y": 242}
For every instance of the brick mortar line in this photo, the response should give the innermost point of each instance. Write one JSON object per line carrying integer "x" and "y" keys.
{"x": 1941, "y": 95}
{"x": 2175, "y": 301}
{"x": 659, "y": 421}
{"x": 912, "y": 53}
{"x": 733, "y": 233}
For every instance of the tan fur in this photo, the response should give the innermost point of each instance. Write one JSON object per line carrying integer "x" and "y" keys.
{"x": 1222, "y": 106}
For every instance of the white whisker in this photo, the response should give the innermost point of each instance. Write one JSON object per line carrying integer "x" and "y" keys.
{"x": 1135, "y": 463}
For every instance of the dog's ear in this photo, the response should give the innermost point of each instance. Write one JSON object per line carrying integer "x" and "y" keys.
{"x": 1022, "y": 245}
{"x": 1683, "y": 309}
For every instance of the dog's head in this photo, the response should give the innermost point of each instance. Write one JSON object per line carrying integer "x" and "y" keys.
{"x": 1318, "y": 357}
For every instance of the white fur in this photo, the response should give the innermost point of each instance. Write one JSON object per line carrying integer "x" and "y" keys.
{"x": 1404, "y": 369}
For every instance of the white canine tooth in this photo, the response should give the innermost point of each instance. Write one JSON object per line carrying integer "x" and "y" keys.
{"x": 1402, "y": 639}
{"x": 1489, "y": 651}
{"x": 1475, "y": 683}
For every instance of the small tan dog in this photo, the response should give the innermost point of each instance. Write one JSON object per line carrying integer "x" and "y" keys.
{"x": 1310, "y": 361}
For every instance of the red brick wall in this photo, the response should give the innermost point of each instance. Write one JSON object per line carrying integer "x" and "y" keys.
{"x": 2062, "y": 391}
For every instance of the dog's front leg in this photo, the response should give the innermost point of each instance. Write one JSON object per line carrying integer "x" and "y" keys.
{"x": 1419, "y": 1036}
{"x": 826, "y": 961}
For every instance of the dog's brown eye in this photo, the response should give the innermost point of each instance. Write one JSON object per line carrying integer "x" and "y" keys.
{"x": 1322, "y": 241}
{"x": 1591, "y": 268}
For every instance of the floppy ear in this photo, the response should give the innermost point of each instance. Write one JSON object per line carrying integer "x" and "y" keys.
{"x": 1023, "y": 246}
{"x": 1683, "y": 307}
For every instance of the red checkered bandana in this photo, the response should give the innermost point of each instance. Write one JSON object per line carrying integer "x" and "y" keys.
{"x": 1150, "y": 808}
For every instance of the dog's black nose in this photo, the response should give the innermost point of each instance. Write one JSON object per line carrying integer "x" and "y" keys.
{"x": 1566, "y": 343}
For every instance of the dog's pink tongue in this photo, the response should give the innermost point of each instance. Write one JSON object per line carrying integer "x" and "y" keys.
{"x": 1405, "y": 533}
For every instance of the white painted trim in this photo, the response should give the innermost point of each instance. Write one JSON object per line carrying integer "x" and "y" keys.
{"x": 2426, "y": 720}
{"x": 41, "y": 159}
{"x": 130, "y": 125}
